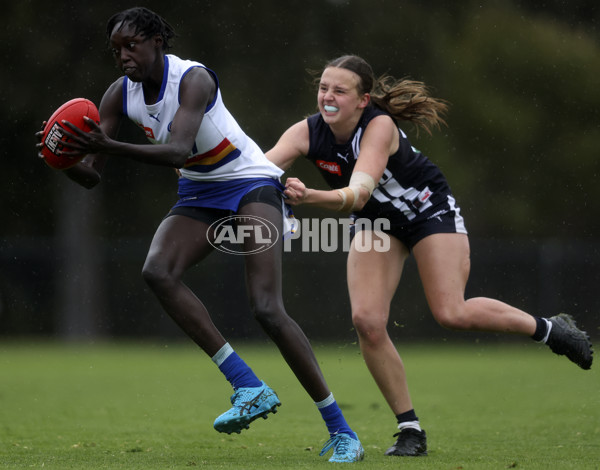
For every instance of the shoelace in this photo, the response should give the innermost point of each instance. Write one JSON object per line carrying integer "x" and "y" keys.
{"x": 245, "y": 400}
{"x": 339, "y": 442}
{"x": 236, "y": 395}
{"x": 243, "y": 394}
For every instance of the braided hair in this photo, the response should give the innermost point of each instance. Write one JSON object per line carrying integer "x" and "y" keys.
{"x": 146, "y": 22}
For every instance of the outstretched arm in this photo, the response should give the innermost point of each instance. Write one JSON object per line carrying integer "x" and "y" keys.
{"x": 292, "y": 144}
{"x": 379, "y": 142}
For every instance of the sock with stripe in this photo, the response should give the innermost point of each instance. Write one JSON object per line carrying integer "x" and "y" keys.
{"x": 542, "y": 330}
{"x": 334, "y": 419}
{"x": 236, "y": 371}
{"x": 408, "y": 419}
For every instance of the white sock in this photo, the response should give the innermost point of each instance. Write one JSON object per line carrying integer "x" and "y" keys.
{"x": 222, "y": 354}
{"x": 409, "y": 425}
{"x": 323, "y": 403}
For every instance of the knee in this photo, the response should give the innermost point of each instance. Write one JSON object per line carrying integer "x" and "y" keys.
{"x": 452, "y": 318}
{"x": 156, "y": 275}
{"x": 370, "y": 326}
{"x": 268, "y": 311}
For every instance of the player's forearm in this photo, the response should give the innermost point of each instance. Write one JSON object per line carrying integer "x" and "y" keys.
{"x": 172, "y": 155}
{"x": 83, "y": 174}
{"x": 325, "y": 199}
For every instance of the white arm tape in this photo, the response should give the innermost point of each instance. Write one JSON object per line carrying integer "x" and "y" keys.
{"x": 350, "y": 194}
{"x": 360, "y": 179}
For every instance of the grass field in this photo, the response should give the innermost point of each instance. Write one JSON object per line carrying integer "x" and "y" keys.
{"x": 151, "y": 406}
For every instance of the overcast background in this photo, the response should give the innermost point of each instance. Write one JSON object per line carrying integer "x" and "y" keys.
{"x": 520, "y": 152}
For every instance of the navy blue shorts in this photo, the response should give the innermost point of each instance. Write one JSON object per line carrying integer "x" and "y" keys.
{"x": 443, "y": 221}
{"x": 266, "y": 194}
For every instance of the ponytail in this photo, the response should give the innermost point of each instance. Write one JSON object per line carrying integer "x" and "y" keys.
{"x": 409, "y": 100}
{"x": 404, "y": 100}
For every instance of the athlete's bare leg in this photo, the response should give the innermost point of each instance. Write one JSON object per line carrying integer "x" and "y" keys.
{"x": 263, "y": 278}
{"x": 444, "y": 265}
{"x": 373, "y": 278}
{"x": 179, "y": 243}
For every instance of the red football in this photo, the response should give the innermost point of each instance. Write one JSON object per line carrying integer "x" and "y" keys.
{"x": 72, "y": 111}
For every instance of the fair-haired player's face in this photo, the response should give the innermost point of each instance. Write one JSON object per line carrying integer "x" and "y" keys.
{"x": 338, "y": 97}
{"x": 136, "y": 55}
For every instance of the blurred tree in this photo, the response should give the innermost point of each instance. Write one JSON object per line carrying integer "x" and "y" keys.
{"x": 525, "y": 122}
{"x": 521, "y": 80}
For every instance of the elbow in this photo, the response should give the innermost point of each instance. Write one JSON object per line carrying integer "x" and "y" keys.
{"x": 361, "y": 200}
{"x": 90, "y": 183}
{"x": 88, "y": 179}
{"x": 359, "y": 204}
{"x": 353, "y": 199}
{"x": 179, "y": 161}
{"x": 361, "y": 186}
{"x": 180, "y": 155}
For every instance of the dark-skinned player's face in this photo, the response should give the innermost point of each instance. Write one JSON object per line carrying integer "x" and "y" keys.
{"x": 136, "y": 55}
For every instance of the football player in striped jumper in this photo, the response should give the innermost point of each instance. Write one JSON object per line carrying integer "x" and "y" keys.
{"x": 376, "y": 175}
{"x": 178, "y": 105}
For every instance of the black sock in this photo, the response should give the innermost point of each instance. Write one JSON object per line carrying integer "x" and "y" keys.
{"x": 407, "y": 416}
{"x": 541, "y": 329}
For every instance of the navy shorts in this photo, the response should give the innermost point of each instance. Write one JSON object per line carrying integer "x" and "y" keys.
{"x": 445, "y": 221}
{"x": 267, "y": 194}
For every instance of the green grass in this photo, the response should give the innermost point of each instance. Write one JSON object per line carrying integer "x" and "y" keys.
{"x": 151, "y": 406}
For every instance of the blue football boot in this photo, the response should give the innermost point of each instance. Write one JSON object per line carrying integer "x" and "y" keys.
{"x": 248, "y": 404}
{"x": 346, "y": 449}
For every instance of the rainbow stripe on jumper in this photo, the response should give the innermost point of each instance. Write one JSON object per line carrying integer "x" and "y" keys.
{"x": 222, "y": 154}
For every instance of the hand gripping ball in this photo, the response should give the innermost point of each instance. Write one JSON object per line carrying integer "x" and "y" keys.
{"x": 54, "y": 135}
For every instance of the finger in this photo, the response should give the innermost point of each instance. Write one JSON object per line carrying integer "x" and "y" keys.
{"x": 73, "y": 127}
{"x": 90, "y": 122}
{"x": 74, "y": 154}
{"x": 70, "y": 146}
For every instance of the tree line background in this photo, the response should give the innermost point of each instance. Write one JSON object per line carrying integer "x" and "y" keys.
{"x": 520, "y": 152}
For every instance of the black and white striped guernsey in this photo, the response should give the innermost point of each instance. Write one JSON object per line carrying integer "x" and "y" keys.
{"x": 411, "y": 189}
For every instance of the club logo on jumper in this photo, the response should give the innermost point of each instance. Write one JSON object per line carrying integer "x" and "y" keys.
{"x": 331, "y": 167}
{"x": 243, "y": 234}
